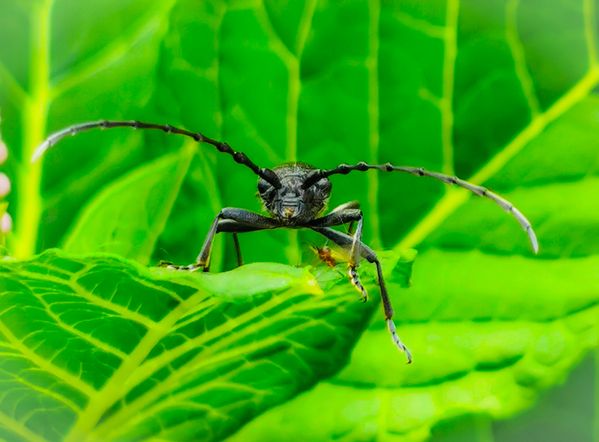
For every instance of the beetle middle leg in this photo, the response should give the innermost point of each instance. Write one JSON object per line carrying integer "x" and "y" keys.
{"x": 237, "y": 249}
{"x": 348, "y": 213}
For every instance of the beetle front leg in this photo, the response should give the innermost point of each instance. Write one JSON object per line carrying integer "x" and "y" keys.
{"x": 228, "y": 220}
{"x": 345, "y": 206}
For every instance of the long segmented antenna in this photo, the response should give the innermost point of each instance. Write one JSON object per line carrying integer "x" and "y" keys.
{"x": 344, "y": 169}
{"x": 239, "y": 157}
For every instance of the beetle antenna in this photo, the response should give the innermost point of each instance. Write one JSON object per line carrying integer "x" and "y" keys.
{"x": 344, "y": 169}
{"x": 239, "y": 157}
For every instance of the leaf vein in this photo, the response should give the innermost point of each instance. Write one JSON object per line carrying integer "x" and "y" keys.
{"x": 86, "y": 337}
{"x": 45, "y": 391}
{"x": 455, "y": 198}
{"x": 112, "y": 53}
{"x": 95, "y": 299}
{"x": 113, "y": 389}
{"x": 446, "y": 100}
{"x": 372, "y": 63}
{"x": 15, "y": 91}
{"x": 59, "y": 372}
{"x": 590, "y": 31}
{"x": 519, "y": 57}
{"x": 18, "y": 428}
{"x": 204, "y": 359}
{"x": 429, "y": 29}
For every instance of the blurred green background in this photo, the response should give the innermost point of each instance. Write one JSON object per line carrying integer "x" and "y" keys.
{"x": 503, "y": 93}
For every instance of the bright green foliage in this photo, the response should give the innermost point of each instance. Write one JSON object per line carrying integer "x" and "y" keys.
{"x": 485, "y": 348}
{"x": 502, "y": 93}
{"x": 3, "y": 206}
{"x": 117, "y": 222}
{"x": 100, "y": 348}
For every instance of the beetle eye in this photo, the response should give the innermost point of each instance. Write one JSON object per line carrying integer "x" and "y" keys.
{"x": 325, "y": 185}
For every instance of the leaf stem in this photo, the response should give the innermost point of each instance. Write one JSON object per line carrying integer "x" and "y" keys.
{"x": 293, "y": 94}
{"x": 34, "y": 118}
{"x": 372, "y": 62}
{"x": 446, "y": 101}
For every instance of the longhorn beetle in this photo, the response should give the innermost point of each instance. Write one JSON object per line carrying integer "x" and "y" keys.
{"x": 295, "y": 196}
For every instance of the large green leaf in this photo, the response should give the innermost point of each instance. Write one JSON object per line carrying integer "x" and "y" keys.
{"x": 501, "y": 92}
{"x": 99, "y": 348}
{"x": 128, "y": 216}
{"x": 486, "y": 348}
{"x": 3, "y": 206}
{"x": 64, "y": 65}
{"x": 466, "y": 87}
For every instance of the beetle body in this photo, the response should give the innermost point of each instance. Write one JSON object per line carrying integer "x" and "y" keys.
{"x": 295, "y": 195}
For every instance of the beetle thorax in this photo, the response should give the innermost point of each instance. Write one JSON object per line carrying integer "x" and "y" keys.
{"x": 291, "y": 203}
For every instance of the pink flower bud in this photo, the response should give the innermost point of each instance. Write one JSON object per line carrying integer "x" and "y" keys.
{"x": 5, "y": 223}
{"x": 4, "y": 185}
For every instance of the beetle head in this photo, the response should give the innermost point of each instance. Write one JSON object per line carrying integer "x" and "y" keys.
{"x": 291, "y": 203}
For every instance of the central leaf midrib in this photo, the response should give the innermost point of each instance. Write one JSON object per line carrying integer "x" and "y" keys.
{"x": 146, "y": 369}
{"x": 102, "y": 399}
{"x": 128, "y": 372}
{"x": 145, "y": 405}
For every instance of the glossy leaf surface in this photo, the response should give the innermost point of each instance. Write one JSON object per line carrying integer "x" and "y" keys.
{"x": 502, "y": 93}
{"x": 101, "y": 348}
